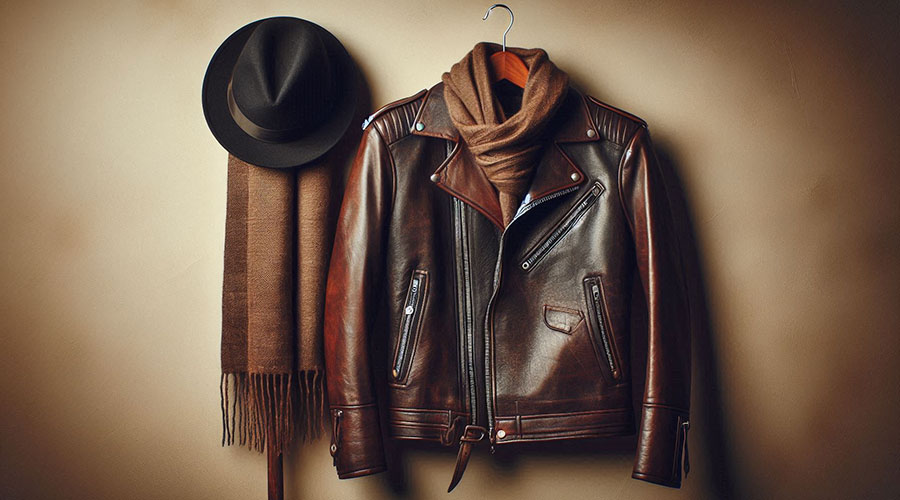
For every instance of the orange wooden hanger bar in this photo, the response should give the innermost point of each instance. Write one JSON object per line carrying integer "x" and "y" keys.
{"x": 506, "y": 65}
{"x": 509, "y": 66}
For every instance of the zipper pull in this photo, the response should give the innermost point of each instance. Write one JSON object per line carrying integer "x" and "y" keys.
{"x": 335, "y": 434}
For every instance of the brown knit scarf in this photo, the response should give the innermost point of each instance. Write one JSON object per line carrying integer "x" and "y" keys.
{"x": 278, "y": 232}
{"x": 507, "y": 149}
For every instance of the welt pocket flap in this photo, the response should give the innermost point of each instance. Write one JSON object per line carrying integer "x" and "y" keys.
{"x": 562, "y": 319}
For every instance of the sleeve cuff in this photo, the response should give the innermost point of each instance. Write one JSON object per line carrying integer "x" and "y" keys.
{"x": 662, "y": 441}
{"x": 356, "y": 441}
{"x": 361, "y": 472}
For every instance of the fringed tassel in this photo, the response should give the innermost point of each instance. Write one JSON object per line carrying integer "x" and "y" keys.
{"x": 258, "y": 409}
{"x": 312, "y": 411}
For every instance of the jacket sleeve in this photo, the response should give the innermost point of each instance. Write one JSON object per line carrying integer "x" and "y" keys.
{"x": 354, "y": 278}
{"x": 655, "y": 220}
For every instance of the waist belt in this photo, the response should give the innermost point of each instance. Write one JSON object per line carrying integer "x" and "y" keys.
{"x": 470, "y": 435}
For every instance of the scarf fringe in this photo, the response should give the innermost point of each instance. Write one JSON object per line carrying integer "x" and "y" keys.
{"x": 260, "y": 409}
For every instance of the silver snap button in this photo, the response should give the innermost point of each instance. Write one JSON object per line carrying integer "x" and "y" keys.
{"x": 501, "y": 434}
{"x": 408, "y": 310}
{"x": 435, "y": 177}
{"x": 574, "y": 176}
{"x": 590, "y": 132}
{"x": 420, "y": 126}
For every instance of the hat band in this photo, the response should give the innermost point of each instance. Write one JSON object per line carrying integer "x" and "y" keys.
{"x": 256, "y": 131}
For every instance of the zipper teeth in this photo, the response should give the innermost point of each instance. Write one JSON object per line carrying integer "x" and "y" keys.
{"x": 470, "y": 327}
{"x": 407, "y": 322}
{"x": 488, "y": 320}
{"x": 595, "y": 293}
{"x": 563, "y": 229}
{"x": 457, "y": 247}
{"x": 467, "y": 308}
{"x": 530, "y": 205}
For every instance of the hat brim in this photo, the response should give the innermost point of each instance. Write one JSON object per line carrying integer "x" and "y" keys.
{"x": 285, "y": 154}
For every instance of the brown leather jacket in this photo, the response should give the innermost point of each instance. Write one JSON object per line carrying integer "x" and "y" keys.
{"x": 523, "y": 334}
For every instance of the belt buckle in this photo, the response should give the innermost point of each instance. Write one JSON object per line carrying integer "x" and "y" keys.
{"x": 473, "y": 434}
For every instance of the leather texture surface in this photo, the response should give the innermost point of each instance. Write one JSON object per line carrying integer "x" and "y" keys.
{"x": 523, "y": 331}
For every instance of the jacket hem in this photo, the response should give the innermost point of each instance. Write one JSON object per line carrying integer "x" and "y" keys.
{"x": 551, "y": 426}
{"x": 651, "y": 478}
{"x": 435, "y": 425}
{"x": 362, "y": 472}
{"x": 423, "y": 424}
{"x": 612, "y": 431}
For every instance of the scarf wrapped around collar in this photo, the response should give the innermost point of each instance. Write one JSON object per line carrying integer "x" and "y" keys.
{"x": 506, "y": 149}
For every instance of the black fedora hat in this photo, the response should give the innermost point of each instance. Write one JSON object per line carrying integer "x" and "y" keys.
{"x": 280, "y": 92}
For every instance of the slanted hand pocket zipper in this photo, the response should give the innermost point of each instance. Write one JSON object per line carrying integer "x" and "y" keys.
{"x": 571, "y": 218}
{"x": 409, "y": 321}
{"x": 603, "y": 339}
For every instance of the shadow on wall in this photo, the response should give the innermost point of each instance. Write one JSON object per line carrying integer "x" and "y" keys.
{"x": 706, "y": 398}
{"x": 709, "y": 440}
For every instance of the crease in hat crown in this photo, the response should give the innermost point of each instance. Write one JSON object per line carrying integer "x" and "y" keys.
{"x": 283, "y": 84}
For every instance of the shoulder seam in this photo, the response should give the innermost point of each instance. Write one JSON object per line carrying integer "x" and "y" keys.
{"x": 615, "y": 124}
{"x": 616, "y": 110}
{"x": 392, "y": 105}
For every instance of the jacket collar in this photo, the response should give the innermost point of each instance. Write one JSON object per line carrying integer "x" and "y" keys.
{"x": 460, "y": 176}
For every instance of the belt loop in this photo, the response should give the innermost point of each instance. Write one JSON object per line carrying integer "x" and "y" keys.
{"x": 448, "y": 437}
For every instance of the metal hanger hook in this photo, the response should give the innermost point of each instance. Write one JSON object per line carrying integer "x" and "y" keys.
{"x": 512, "y": 19}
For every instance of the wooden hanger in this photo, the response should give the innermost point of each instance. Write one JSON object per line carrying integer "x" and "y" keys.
{"x": 506, "y": 65}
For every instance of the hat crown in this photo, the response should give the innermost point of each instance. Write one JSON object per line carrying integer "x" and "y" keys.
{"x": 283, "y": 78}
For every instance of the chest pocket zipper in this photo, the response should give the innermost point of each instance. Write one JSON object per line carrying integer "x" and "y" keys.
{"x": 571, "y": 218}
{"x": 603, "y": 339}
{"x": 412, "y": 310}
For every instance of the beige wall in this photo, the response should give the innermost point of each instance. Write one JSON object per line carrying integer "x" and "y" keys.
{"x": 782, "y": 121}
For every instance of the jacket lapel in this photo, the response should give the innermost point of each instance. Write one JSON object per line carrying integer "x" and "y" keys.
{"x": 460, "y": 176}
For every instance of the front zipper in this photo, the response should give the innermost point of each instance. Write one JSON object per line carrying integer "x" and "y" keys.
{"x": 489, "y": 314}
{"x": 461, "y": 226}
{"x": 408, "y": 323}
{"x": 595, "y": 294}
{"x": 568, "y": 222}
